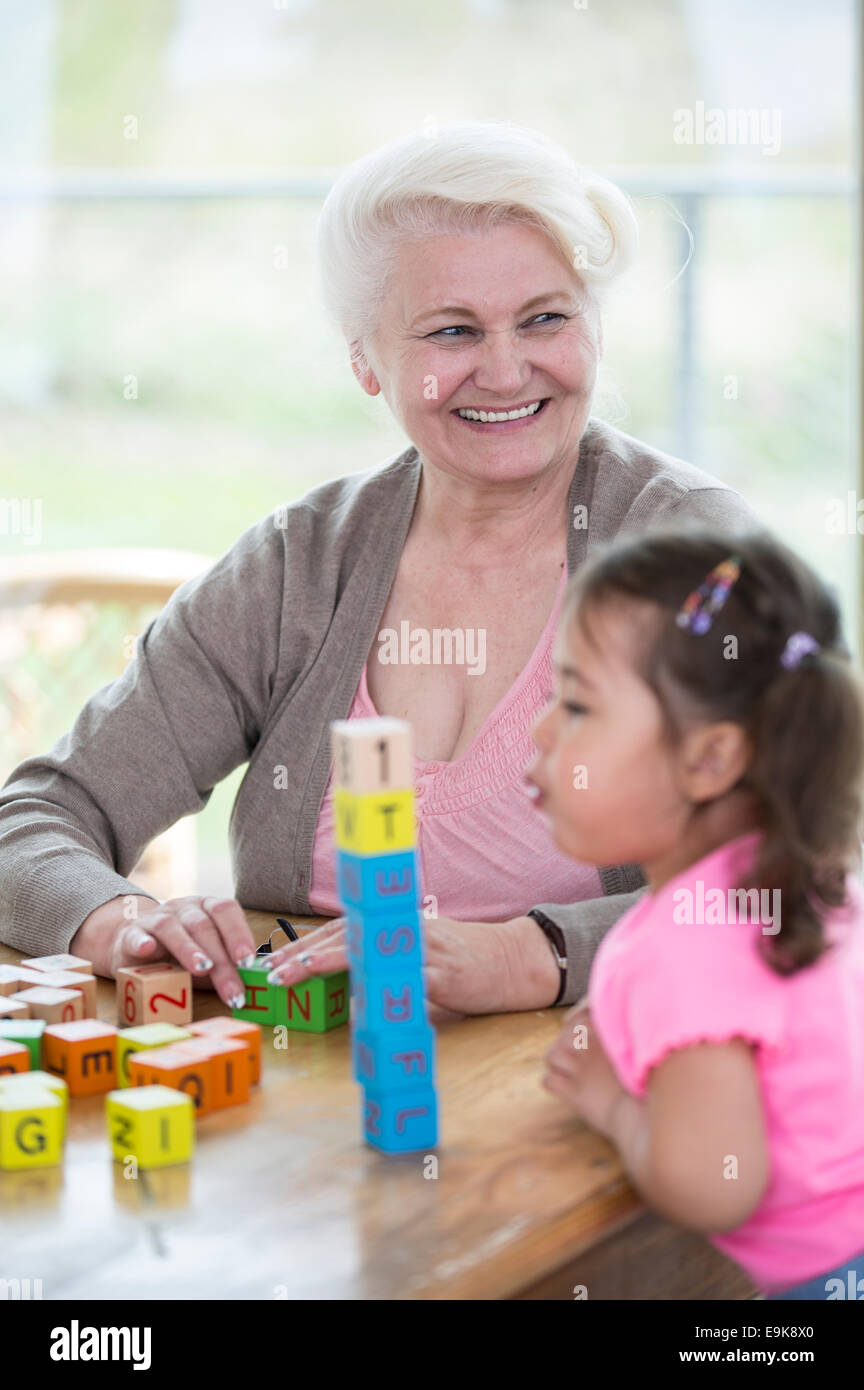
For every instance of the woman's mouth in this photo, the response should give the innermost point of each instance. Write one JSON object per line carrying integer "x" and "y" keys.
{"x": 501, "y": 421}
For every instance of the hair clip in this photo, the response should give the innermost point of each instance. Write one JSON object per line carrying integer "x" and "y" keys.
{"x": 799, "y": 645}
{"x": 699, "y": 609}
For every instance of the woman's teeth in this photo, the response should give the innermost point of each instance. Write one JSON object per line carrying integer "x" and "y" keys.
{"x": 494, "y": 416}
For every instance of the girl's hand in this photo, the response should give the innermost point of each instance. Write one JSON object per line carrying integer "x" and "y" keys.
{"x": 471, "y": 967}
{"x": 578, "y": 1070}
{"x": 207, "y": 936}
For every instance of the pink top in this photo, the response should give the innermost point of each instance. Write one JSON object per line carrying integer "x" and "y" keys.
{"x": 657, "y": 984}
{"x": 484, "y": 852}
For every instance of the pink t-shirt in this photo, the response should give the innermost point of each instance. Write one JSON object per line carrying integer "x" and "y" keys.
{"x": 485, "y": 854}
{"x": 658, "y": 984}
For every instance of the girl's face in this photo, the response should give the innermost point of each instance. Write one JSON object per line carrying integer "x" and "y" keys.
{"x": 606, "y": 777}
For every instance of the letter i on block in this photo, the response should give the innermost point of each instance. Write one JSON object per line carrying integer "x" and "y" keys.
{"x": 392, "y": 1043}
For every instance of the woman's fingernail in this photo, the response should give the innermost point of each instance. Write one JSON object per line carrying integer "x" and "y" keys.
{"x": 236, "y": 1001}
{"x": 247, "y": 961}
{"x": 202, "y": 962}
{"x": 278, "y": 977}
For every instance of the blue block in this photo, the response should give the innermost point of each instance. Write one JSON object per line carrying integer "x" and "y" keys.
{"x": 386, "y": 1002}
{"x": 379, "y": 883}
{"x": 381, "y": 945}
{"x": 400, "y": 1122}
{"x": 396, "y": 1060}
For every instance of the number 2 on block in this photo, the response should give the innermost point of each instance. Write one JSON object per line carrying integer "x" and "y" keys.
{"x": 178, "y": 1003}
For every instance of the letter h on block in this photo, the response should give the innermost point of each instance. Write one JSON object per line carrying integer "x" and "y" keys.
{"x": 392, "y": 1044}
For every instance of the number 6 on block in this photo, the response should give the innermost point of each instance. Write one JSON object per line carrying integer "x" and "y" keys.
{"x": 155, "y": 993}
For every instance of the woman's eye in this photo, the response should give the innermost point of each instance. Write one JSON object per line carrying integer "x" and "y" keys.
{"x": 549, "y": 318}
{"x": 575, "y": 709}
{"x": 447, "y": 332}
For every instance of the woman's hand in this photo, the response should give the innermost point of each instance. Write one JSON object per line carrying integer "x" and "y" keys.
{"x": 578, "y": 1070}
{"x": 471, "y": 967}
{"x": 208, "y": 936}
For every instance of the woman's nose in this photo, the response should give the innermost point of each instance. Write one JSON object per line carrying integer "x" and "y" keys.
{"x": 503, "y": 366}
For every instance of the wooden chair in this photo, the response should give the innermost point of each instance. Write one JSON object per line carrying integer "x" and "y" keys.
{"x": 68, "y": 623}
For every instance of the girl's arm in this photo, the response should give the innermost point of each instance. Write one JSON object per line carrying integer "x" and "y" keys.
{"x": 696, "y": 1147}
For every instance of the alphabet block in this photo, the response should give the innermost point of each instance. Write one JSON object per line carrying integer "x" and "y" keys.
{"x": 316, "y": 1005}
{"x": 31, "y": 1128}
{"x": 52, "y": 1005}
{"x": 224, "y": 1027}
{"x": 400, "y": 1121}
{"x": 84, "y": 1053}
{"x": 59, "y": 962}
{"x": 372, "y": 755}
{"x": 14, "y": 1057}
{"x": 43, "y": 1080}
{"x": 391, "y": 1000}
{"x": 261, "y": 998}
{"x": 74, "y": 980}
{"x": 156, "y": 993}
{"x": 27, "y": 1031}
{"x": 395, "y": 1060}
{"x": 379, "y": 883}
{"x": 155, "y": 1125}
{"x": 149, "y": 1035}
{"x": 382, "y": 945}
{"x": 176, "y": 1069}
{"x": 13, "y": 1007}
{"x": 229, "y": 1069}
{"x": 378, "y": 823}
{"x": 9, "y": 979}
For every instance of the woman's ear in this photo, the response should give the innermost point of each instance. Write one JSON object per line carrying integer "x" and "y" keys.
{"x": 714, "y": 759}
{"x": 363, "y": 372}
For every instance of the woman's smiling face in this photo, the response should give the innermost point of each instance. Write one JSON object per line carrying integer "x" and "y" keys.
{"x": 492, "y": 321}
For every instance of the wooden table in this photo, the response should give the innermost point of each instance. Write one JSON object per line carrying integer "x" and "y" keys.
{"x": 283, "y": 1199}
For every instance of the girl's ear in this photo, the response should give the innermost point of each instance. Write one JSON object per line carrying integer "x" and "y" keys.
{"x": 715, "y": 758}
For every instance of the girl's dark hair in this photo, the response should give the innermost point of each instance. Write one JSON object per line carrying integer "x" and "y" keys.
{"x": 806, "y": 724}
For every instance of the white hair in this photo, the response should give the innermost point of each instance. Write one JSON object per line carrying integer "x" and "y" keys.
{"x": 465, "y": 177}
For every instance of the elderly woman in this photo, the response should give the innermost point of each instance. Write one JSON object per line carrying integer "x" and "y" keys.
{"x": 467, "y": 272}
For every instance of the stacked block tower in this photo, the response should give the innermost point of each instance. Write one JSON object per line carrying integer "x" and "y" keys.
{"x": 378, "y": 880}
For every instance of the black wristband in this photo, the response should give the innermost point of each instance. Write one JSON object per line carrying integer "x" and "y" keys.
{"x": 555, "y": 936}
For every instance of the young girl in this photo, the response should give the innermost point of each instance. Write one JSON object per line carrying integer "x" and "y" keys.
{"x": 707, "y": 726}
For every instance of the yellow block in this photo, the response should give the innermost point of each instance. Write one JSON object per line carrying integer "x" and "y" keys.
{"x": 155, "y": 1124}
{"x": 44, "y": 1081}
{"x": 131, "y": 1040}
{"x": 375, "y": 823}
{"x": 31, "y": 1127}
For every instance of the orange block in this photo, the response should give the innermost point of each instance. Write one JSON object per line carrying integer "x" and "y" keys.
{"x": 224, "y": 1027}
{"x": 230, "y": 1070}
{"x": 156, "y": 993}
{"x": 84, "y": 1053}
{"x": 12, "y": 1007}
{"x": 74, "y": 979}
{"x": 168, "y": 1066}
{"x": 13, "y": 1057}
{"x": 54, "y": 1005}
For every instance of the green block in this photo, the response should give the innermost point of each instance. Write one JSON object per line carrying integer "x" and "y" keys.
{"x": 316, "y": 1005}
{"x": 261, "y": 998}
{"x": 27, "y": 1031}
